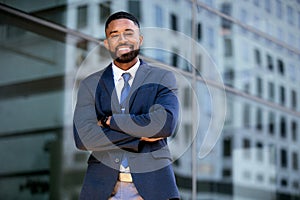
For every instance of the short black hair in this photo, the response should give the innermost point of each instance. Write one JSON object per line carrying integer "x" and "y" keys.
{"x": 121, "y": 15}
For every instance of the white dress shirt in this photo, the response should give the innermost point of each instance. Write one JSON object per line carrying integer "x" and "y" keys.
{"x": 119, "y": 83}
{"x": 118, "y": 79}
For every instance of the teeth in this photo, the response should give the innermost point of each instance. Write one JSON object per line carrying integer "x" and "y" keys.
{"x": 124, "y": 48}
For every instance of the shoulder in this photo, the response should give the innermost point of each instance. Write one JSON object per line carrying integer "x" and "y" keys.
{"x": 94, "y": 77}
{"x": 91, "y": 81}
{"x": 155, "y": 70}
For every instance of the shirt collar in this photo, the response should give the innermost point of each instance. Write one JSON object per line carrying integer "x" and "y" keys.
{"x": 117, "y": 72}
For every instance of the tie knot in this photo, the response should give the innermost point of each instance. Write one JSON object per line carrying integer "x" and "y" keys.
{"x": 126, "y": 77}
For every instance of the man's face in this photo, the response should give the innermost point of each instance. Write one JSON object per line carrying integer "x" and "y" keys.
{"x": 123, "y": 40}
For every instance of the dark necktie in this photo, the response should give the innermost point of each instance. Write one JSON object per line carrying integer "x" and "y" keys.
{"x": 125, "y": 90}
{"x": 124, "y": 94}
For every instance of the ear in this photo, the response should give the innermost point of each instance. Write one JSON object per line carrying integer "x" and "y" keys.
{"x": 105, "y": 42}
{"x": 141, "y": 39}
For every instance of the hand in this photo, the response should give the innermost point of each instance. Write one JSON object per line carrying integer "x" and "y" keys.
{"x": 107, "y": 122}
{"x": 150, "y": 139}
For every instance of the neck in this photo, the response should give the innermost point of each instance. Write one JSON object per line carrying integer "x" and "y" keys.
{"x": 126, "y": 66}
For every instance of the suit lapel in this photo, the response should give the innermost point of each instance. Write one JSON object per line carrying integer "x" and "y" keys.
{"x": 138, "y": 81}
{"x": 108, "y": 83}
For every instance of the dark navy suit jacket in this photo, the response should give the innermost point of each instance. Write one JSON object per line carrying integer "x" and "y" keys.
{"x": 152, "y": 111}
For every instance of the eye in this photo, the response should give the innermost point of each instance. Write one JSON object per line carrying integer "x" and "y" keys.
{"x": 114, "y": 35}
{"x": 128, "y": 34}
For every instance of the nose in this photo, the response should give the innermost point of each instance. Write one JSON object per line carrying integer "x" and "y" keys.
{"x": 122, "y": 38}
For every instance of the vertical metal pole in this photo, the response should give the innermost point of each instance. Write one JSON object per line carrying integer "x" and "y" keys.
{"x": 194, "y": 106}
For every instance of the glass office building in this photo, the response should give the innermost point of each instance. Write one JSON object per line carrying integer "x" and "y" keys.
{"x": 237, "y": 67}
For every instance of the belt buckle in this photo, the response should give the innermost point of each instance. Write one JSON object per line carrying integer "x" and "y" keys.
{"x": 125, "y": 177}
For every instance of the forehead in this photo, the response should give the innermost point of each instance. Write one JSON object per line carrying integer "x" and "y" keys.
{"x": 121, "y": 25}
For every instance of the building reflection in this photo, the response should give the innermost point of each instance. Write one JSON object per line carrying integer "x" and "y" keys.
{"x": 250, "y": 124}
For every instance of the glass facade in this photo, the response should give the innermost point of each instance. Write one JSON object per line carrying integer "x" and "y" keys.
{"x": 238, "y": 78}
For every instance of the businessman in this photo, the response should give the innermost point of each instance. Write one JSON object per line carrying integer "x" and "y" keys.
{"x": 124, "y": 115}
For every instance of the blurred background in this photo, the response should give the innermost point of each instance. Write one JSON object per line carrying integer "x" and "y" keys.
{"x": 237, "y": 66}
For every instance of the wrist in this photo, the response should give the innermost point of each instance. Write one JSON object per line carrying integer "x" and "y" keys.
{"x": 105, "y": 121}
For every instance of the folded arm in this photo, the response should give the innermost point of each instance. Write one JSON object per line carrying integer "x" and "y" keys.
{"x": 88, "y": 135}
{"x": 161, "y": 119}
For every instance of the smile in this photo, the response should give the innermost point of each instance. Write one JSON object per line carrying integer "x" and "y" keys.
{"x": 124, "y": 49}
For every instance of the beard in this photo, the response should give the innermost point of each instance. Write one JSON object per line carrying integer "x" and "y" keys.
{"x": 126, "y": 57}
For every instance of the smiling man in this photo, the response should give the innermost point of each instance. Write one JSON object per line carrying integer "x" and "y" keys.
{"x": 124, "y": 115}
{"x": 123, "y": 42}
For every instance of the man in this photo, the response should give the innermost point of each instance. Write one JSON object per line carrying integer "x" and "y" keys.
{"x": 124, "y": 114}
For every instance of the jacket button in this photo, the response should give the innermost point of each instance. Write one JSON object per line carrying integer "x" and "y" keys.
{"x": 117, "y": 160}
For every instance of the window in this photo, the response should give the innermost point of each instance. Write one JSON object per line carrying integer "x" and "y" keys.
{"x": 244, "y": 19}
{"x": 226, "y": 173}
{"x": 246, "y": 116}
{"x": 292, "y": 71}
{"x": 56, "y": 14}
{"x": 257, "y": 57}
{"x": 270, "y": 62}
{"x": 284, "y": 182}
{"x": 280, "y": 66}
{"x": 229, "y": 76}
{"x": 174, "y": 25}
{"x": 257, "y": 22}
{"x": 294, "y": 99}
{"x": 259, "y": 119}
{"x": 226, "y": 9}
{"x": 244, "y": 47}
{"x": 188, "y": 26}
{"x": 198, "y": 64}
{"x": 82, "y": 12}
{"x": 271, "y": 123}
{"x": 280, "y": 35}
{"x": 227, "y": 147}
{"x": 134, "y": 8}
{"x": 282, "y": 95}
{"x": 187, "y": 97}
{"x": 296, "y": 185}
{"x": 290, "y": 15}
{"x": 105, "y": 10}
{"x": 294, "y": 131}
{"x": 259, "y": 87}
{"x": 246, "y": 147}
{"x": 283, "y": 127}
{"x": 247, "y": 88}
{"x": 199, "y": 31}
{"x": 228, "y": 47}
{"x": 158, "y": 16}
{"x": 188, "y": 133}
{"x": 260, "y": 178}
{"x": 295, "y": 161}
{"x": 259, "y": 151}
{"x": 243, "y": 16}
{"x": 271, "y": 91}
{"x": 247, "y": 175}
{"x": 175, "y": 58}
{"x": 279, "y": 9}
{"x": 272, "y": 154}
{"x": 211, "y": 37}
{"x": 283, "y": 158}
{"x": 268, "y": 5}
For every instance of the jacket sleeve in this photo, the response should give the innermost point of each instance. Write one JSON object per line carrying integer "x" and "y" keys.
{"x": 160, "y": 121}
{"x": 87, "y": 134}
